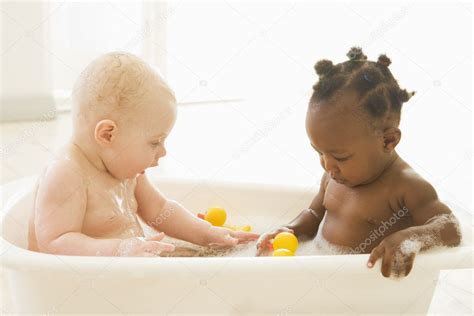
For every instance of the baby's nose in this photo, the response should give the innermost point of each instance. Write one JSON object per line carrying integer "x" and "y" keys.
{"x": 327, "y": 165}
{"x": 330, "y": 167}
{"x": 161, "y": 153}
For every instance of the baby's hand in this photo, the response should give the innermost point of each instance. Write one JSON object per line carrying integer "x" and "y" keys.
{"x": 221, "y": 237}
{"x": 143, "y": 247}
{"x": 398, "y": 253}
{"x": 263, "y": 242}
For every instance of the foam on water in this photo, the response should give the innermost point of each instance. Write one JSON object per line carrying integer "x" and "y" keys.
{"x": 430, "y": 242}
{"x": 318, "y": 246}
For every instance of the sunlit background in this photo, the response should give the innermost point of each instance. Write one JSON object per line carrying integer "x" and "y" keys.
{"x": 242, "y": 72}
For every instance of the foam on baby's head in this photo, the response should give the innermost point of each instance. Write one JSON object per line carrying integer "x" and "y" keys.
{"x": 115, "y": 84}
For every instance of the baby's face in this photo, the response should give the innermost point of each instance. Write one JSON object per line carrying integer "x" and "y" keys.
{"x": 349, "y": 149}
{"x": 140, "y": 139}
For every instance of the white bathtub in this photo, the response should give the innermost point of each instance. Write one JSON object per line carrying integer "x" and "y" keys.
{"x": 41, "y": 283}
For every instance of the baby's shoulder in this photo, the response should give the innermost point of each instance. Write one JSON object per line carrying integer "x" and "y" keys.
{"x": 61, "y": 186}
{"x": 411, "y": 179}
{"x": 413, "y": 188}
{"x": 62, "y": 172}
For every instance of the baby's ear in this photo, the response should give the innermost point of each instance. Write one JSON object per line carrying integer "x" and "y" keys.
{"x": 105, "y": 132}
{"x": 391, "y": 138}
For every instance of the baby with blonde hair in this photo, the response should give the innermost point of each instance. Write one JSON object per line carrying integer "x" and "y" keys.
{"x": 90, "y": 197}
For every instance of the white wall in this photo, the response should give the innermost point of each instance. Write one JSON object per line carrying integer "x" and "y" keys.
{"x": 26, "y": 82}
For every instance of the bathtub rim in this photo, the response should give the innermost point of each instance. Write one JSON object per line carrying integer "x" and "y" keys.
{"x": 15, "y": 257}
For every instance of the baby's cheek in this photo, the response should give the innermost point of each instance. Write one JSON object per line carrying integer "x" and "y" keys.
{"x": 352, "y": 170}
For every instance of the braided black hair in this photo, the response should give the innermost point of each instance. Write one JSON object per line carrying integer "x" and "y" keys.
{"x": 378, "y": 90}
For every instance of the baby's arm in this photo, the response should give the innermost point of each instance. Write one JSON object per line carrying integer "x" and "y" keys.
{"x": 60, "y": 208}
{"x": 166, "y": 215}
{"x": 434, "y": 225}
{"x": 305, "y": 225}
{"x": 173, "y": 219}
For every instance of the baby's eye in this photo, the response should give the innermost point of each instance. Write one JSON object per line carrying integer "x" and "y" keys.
{"x": 155, "y": 144}
{"x": 342, "y": 159}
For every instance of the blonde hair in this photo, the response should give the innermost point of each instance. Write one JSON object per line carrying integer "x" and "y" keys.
{"x": 113, "y": 83}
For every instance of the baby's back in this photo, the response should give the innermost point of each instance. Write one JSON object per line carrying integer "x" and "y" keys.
{"x": 73, "y": 195}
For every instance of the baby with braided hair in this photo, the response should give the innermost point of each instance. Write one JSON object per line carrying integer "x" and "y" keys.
{"x": 370, "y": 200}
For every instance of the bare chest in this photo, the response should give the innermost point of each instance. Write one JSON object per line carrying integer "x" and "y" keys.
{"x": 366, "y": 205}
{"x": 112, "y": 210}
{"x": 353, "y": 214}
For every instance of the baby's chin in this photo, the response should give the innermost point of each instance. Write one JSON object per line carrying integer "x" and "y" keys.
{"x": 348, "y": 182}
{"x": 340, "y": 180}
{"x": 345, "y": 182}
{"x": 139, "y": 173}
{"x": 128, "y": 176}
